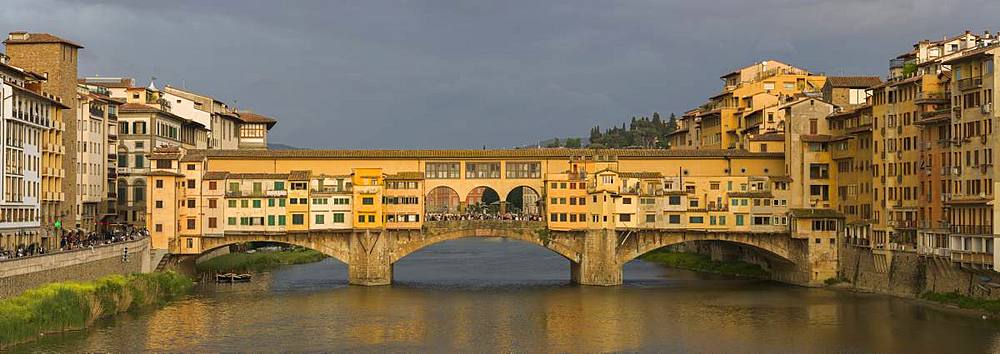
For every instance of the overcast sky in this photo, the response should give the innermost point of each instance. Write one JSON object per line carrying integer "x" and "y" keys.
{"x": 462, "y": 74}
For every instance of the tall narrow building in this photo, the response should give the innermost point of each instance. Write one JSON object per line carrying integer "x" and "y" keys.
{"x": 55, "y": 59}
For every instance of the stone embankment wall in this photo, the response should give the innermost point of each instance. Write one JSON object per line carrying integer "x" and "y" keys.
{"x": 19, "y": 275}
{"x": 908, "y": 274}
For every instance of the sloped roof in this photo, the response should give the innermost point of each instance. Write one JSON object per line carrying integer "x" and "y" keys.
{"x": 853, "y": 81}
{"x": 803, "y": 213}
{"x": 215, "y": 175}
{"x": 164, "y": 174}
{"x": 769, "y": 137}
{"x": 251, "y": 117}
{"x": 299, "y": 175}
{"x": 407, "y": 175}
{"x": 640, "y": 175}
{"x": 37, "y": 38}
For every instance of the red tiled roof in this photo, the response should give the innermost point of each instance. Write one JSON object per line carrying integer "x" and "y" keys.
{"x": 37, "y": 38}
{"x": 853, "y": 81}
{"x": 251, "y": 117}
{"x": 475, "y": 153}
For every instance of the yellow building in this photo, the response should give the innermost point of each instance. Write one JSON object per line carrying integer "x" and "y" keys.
{"x": 368, "y": 192}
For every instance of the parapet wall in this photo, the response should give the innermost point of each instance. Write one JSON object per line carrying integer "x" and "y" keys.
{"x": 19, "y": 275}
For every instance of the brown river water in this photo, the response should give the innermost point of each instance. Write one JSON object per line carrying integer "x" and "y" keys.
{"x": 493, "y": 295}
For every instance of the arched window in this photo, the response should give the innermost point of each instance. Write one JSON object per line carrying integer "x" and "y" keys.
{"x": 139, "y": 191}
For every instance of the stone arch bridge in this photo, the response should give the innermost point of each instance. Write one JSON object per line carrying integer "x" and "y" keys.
{"x": 596, "y": 256}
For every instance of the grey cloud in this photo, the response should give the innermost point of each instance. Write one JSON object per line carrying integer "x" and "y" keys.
{"x": 436, "y": 74}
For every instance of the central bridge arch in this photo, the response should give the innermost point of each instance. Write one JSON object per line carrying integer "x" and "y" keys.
{"x": 566, "y": 245}
{"x": 333, "y": 245}
{"x": 633, "y": 244}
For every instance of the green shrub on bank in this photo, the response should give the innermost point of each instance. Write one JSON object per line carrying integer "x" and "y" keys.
{"x": 74, "y": 305}
{"x": 694, "y": 261}
{"x": 259, "y": 261}
{"x": 965, "y": 302}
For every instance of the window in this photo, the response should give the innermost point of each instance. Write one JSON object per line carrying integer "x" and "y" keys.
{"x": 213, "y": 203}
{"x": 674, "y": 218}
{"x": 524, "y": 170}
{"x": 213, "y": 223}
{"x": 696, "y": 220}
{"x": 819, "y": 171}
{"x": 190, "y": 203}
{"x": 231, "y": 220}
{"x": 281, "y": 220}
{"x": 674, "y": 200}
{"x": 319, "y": 219}
{"x": 480, "y": 170}
{"x": 140, "y": 161}
{"x": 441, "y": 170}
{"x": 298, "y": 219}
{"x": 371, "y": 218}
{"x": 159, "y": 204}
{"x": 820, "y": 191}
{"x": 191, "y": 167}
{"x": 190, "y": 184}
{"x": 361, "y": 219}
{"x": 159, "y": 183}
{"x": 626, "y": 200}
{"x": 159, "y": 227}
{"x": 338, "y": 218}
{"x": 190, "y": 224}
{"x": 232, "y": 203}
{"x": 270, "y": 220}
{"x": 213, "y": 185}
{"x": 159, "y": 163}
{"x": 279, "y": 185}
{"x": 244, "y": 203}
{"x": 368, "y": 201}
{"x": 256, "y": 203}
{"x": 270, "y": 202}
{"x": 824, "y": 225}
{"x": 650, "y": 217}
{"x": 299, "y": 186}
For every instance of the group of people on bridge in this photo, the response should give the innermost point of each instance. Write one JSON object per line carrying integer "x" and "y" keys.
{"x": 482, "y": 216}
{"x": 78, "y": 239}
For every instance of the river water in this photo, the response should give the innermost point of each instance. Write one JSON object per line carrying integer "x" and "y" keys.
{"x": 477, "y": 295}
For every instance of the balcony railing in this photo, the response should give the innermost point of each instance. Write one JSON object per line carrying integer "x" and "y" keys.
{"x": 971, "y": 257}
{"x": 970, "y": 83}
{"x": 972, "y": 229}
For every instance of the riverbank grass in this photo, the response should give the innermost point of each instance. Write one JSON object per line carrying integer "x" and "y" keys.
{"x": 66, "y": 306}
{"x": 703, "y": 263}
{"x": 258, "y": 261}
{"x": 965, "y": 302}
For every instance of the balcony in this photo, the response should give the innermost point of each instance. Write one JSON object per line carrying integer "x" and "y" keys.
{"x": 986, "y": 230}
{"x": 930, "y": 97}
{"x": 972, "y": 257}
{"x": 970, "y": 83}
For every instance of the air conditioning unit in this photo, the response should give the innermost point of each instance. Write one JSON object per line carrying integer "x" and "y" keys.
{"x": 986, "y": 108}
{"x": 956, "y": 170}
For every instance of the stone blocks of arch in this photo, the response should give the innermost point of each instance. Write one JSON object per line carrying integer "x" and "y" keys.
{"x": 596, "y": 256}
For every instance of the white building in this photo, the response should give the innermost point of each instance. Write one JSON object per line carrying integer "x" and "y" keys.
{"x": 24, "y": 116}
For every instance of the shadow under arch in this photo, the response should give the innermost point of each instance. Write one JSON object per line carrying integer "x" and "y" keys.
{"x": 442, "y": 199}
{"x": 483, "y": 197}
{"x": 210, "y": 245}
{"x": 557, "y": 246}
{"x": 773, "y": 256}
{"x": 524, "y": 199}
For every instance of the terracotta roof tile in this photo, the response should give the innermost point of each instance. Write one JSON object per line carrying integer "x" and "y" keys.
{"x": 257, "y": 176}
{"x": 164, "y": 173}
{"x": 35, "y": 38}
{"x": 409, "y": 175}
{"x": 854, "y": 81}
{"x": 251, "y": 117}
{"x": 769, "y": 137}
{"x": 803, "y": 213}
{"x": 640, "y": 175}
{"x": 215, "y": 175}
{"x": 299, "y": 175}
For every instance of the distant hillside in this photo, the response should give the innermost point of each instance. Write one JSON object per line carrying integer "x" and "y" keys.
{"x": 278, "y": 146}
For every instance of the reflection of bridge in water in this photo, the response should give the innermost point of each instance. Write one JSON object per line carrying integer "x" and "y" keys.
{"x": 596, "y": 256}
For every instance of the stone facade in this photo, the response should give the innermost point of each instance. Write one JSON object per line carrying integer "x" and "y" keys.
{"x": 19, "y": 275}
{"x": 909, "y": 274}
